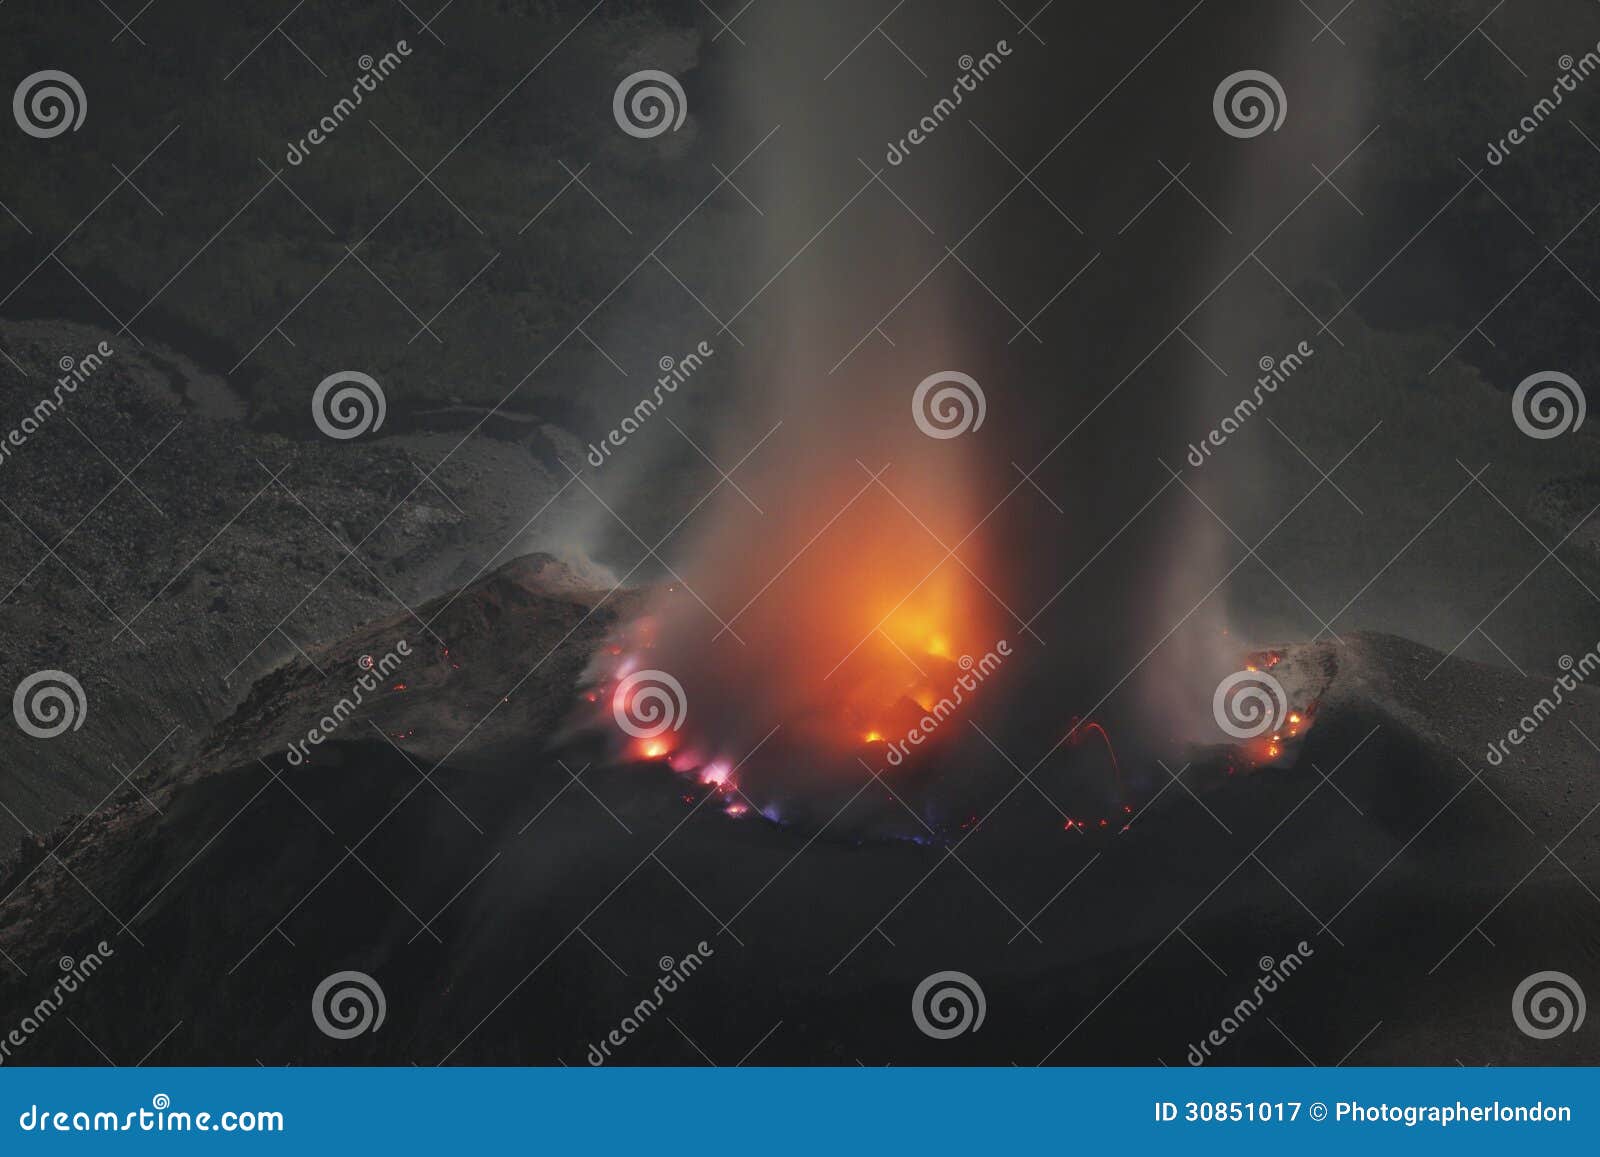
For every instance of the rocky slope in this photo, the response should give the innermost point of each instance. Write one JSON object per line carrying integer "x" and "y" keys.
{"x": 166, "y": 555}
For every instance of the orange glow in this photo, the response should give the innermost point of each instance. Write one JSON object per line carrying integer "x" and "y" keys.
{"x": 922, "y": 625}
{"x": 652, "y": 748}
{"x": 851, "y": 620}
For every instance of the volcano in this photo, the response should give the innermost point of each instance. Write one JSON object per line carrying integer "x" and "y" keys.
{"x": 515, "y": 890}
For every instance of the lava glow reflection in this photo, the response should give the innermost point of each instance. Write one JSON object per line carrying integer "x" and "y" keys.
{"x": 852, "y": 661}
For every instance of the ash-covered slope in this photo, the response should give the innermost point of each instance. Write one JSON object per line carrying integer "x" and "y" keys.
{"x": 165, "y": 554}
{"x": 471, "y": 672}
{"x": 518, "y": 908}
